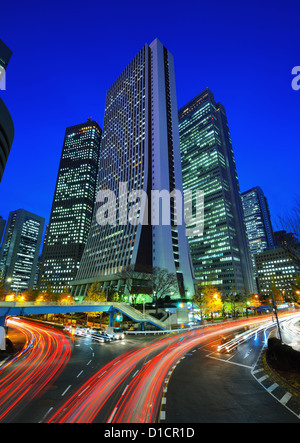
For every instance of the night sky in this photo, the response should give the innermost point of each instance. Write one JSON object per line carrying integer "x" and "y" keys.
{"x": 66, "y": 54}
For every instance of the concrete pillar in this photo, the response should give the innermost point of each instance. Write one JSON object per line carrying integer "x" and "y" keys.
{"x": 111, "y": 319}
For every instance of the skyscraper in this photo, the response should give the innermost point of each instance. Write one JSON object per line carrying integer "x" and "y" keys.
{"x": 5, "y": 55}
{"x": 20, "y": 249}
{"x": 140, "y": 151}
{"x": 7, "y": 130}
{"x": 220, "y": 254}
{"x": 257, "y": 220}
{"x": 72, "y": 206}
{"x": 2, "y": 227}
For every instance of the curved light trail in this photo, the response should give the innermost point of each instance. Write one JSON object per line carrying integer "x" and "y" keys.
{"x": 143, "y": 381}
{"x": 43, "y": 357}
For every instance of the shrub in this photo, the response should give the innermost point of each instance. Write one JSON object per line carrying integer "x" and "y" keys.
{"x": 287, "y": 357}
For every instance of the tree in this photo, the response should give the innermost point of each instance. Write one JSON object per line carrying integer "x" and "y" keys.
{"x": 3, "y": 291}
{"x": 276, "y": 292}
{"x": 208, "y": 299}
{"x": 96, "y": 294}
{"x": 163, "y": 284}
{"x": 199, "y": 301}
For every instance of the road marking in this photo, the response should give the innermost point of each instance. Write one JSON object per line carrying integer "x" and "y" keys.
{"x": 135, "y": 373}
{"x": 46, "y": 415}
{"x": 79, "y": 373}
{"x": 125, "y": 390}
{"x": 287, "y": 396}
{"x": 164, "y": 401}
{"x": 66, "y": 390}
{"x": 262, "y": 378}
{"x": 271, "y": 388}
{"x": 162, "y": 415}
{"x": 112, "y": 415}
{"x": 88, "y": 362}
{"x": 231, "y": 362}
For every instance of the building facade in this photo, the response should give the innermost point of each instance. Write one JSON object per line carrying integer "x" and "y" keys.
{"x": 72, "y": 207}
{"x": 258, "y": 221}
{"x": 2, "y": 228}
{"x": 20, "y": 250}
{"x": 5, "y": 55}
{"x": 275, "y": 269}
{"x": 220, "y": 254}
{"x": 140, "y": 153}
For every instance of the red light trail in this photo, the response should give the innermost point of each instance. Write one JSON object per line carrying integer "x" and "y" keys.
{"x": 47, "y": 351}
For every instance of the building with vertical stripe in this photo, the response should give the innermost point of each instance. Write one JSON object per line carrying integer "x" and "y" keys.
{"x": 140, "y": 151}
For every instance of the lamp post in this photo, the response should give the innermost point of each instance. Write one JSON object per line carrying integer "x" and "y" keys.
{"x": 275, "y": 311}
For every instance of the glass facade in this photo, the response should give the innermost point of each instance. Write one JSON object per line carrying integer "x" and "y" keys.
{"x": 220, "y": 254}
{"x": 20, "y": 250}
{"x": 72, "y": 207}
{"x": 257, "y": 220}
{"x": 140, "y": 147}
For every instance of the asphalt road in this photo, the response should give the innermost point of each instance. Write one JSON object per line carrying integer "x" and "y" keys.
{"x": 223, "y": 389}
{"x": 205, "y": 386}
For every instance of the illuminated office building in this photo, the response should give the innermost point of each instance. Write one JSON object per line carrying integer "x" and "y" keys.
{"x": 140, "y": 147}
{"x": 72, "y": 206}
{"x": 220, "y": 254}
{"x": 2, "y": 227}
{"x": 20, "y": 250}
{"x": 276, "y": 270}
{"x": 258, "y": 221}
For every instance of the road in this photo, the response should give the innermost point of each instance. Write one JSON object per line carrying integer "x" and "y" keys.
{"x": 175, "y": 379}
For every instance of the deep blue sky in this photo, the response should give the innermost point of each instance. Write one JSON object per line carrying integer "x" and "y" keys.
{"x": 68, "y": 53}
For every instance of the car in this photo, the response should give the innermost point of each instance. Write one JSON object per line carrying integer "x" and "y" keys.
{"x": 117, "y": 333}
{"x": 100, "y": 336}
{"x": 80, "y": 331}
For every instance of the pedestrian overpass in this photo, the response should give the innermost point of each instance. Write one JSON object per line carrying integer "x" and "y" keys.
{"x": 8, "y": 309}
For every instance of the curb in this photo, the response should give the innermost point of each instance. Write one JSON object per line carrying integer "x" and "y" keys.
{"x": 282, "y": 391}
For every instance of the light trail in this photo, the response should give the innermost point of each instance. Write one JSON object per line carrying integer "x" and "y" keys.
{"x": 144, "y": 381}
{"x": 43, "y": 357}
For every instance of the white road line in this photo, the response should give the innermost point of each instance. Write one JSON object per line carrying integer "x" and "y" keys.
{"x": 287, "y": 396}
{"x": 66, "y": 390}
{"x": 135, "y": 373}
{"x": 162, "y": 415}
{"x": 125, "y": 390}
{"x": 89, "y": 362}
{"x": 46, "y": 415}
{"x": 262, "y": 378}
{"x": 112, "y": 415}
{"x": 79, "y": 373}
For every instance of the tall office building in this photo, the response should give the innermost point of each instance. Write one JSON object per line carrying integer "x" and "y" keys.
{"x": 221, "y": 253}
{"x": 5, "y": 55}
{"x": 7, "y": 130}
{"x": 140, "y": 148}
{"x": 275, "y": 267}
{"x": 72, "y": 206}
{"x": 2, "y": 227}
{"x": 258, "y": 221}
{"x": 20, "y": 250}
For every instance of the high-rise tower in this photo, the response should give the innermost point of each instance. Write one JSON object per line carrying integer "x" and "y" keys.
{"x": 258, "y": 221}
{"x": 20, "y": 249}
{"x": 72, "y": 206}
{"x": 139, "y": 153}
{"x": 220, "y": 254}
